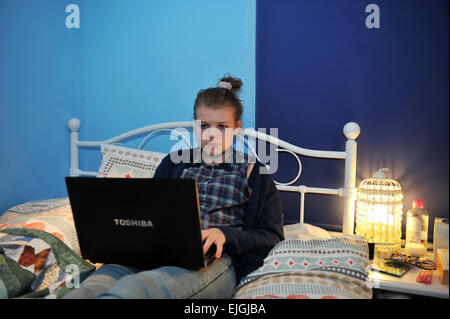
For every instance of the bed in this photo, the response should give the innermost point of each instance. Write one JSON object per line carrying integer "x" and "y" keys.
{"x": 40, "y": 255}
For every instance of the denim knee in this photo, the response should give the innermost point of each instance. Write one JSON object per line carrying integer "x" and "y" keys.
{"x": 222, "y": 287}
{"x": 135, "y": 287}
{"x": 99, "y": 281}
{"x": 218, "y": 280}
{"x": 114, "y": 271}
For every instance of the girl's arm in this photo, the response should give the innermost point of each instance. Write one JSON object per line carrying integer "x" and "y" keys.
{"x": 264, "y": 220}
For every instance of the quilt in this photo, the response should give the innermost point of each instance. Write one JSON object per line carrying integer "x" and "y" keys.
{"x": 335, "y": 268}
{"x": 53, "y": 216}
{"x": 37, "y": 264}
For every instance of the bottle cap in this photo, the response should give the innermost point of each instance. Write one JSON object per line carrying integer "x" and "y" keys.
{"x": 418, "y": 203}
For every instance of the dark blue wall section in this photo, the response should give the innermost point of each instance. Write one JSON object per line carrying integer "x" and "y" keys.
{"x": 318, "y": 66}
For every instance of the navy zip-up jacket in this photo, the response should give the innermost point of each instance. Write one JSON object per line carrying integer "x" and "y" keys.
{"x": 263, "y": 221}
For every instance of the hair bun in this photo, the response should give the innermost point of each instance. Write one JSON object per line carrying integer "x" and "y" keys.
{"x": 236, "y": 83}
{"x": 224, "y": 94}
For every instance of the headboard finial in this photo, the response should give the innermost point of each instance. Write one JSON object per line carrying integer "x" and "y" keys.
{"x": 352, "y": 130}
{"x": 74, "y": 124}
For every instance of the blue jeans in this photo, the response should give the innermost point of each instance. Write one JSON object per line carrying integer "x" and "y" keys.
{"x": 216, "y": 281}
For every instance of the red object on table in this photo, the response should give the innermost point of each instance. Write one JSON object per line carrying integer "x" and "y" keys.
{"x": 425, "y": 277}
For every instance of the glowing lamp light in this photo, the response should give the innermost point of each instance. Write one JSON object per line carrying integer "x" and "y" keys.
{"x": 379, "y": 210}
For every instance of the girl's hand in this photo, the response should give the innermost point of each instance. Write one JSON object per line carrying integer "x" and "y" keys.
{"x": 213, "y": 236}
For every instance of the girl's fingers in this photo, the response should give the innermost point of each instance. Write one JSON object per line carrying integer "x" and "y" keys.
{"x": 219, "y": 248}
{"x": 212, "y": 236}
{"x": 207, "y": 244}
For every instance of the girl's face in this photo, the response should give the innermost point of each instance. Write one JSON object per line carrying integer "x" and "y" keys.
{"x": 215, "y": 128}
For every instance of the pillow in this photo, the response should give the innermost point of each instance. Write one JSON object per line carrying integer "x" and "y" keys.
{"x": 59, "y": 227}
{"x": 126, "y": 162}
{"x": 37, "y": 206}
{"x": 335, "y": 268}
{"x": 305, "y": 231}
{"x": 50, "y": 215}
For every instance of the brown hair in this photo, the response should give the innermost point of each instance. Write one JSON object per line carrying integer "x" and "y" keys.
{"x": 220, "y": 97}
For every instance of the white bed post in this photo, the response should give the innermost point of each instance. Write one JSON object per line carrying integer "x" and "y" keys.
{"x": 351, "y": 132}
{"x": 74, "y": 125}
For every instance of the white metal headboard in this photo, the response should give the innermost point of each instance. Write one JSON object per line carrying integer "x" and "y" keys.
{"x": 348, "y": 191}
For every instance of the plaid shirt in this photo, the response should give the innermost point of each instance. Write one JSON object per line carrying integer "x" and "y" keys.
{"x": 222, "y": 191}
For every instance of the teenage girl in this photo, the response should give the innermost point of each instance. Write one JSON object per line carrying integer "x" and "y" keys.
{"x": 239, "y": 204}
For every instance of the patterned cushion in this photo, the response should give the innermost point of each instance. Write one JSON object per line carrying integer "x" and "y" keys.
{"x": 335, "y": 268}
{"x": 35, "y": 264}
{"x": 51, "y": 215}
{"x": 121, "y": 161}
{"x": 39, "y": 205}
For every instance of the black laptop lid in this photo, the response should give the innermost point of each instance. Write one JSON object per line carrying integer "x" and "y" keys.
{"x": 143, "y": 223}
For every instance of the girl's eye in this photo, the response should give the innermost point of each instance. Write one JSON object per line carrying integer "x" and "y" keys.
{"x": 206, "y": 126}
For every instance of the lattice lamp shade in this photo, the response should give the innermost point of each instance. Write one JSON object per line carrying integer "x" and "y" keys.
{"x": 379, "y": 210}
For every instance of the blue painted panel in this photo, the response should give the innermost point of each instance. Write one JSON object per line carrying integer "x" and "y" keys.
{"x": 130, "y": 64}
{"x": 319, "y": 66}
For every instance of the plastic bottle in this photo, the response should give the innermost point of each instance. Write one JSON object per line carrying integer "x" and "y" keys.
{"x": 416, "y": 229}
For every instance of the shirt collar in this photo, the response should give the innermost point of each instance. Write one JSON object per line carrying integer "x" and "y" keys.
{"x": 230, "y": 158}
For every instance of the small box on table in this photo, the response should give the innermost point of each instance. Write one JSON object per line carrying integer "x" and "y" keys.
{"x": 440, "y": 235}
{"x": 442, "y": 265}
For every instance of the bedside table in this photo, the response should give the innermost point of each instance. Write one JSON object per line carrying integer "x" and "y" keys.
{"x": 407, "y": 283}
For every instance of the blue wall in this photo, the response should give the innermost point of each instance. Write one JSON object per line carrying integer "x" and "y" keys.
{"x": 148, "y": 65}
{"x": 130, "y": 64}
{"x": 319, "y": 66}
{"x": 39, "y": 90}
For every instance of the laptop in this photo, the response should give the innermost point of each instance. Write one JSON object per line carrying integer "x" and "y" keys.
{"x": 138, "y": 222}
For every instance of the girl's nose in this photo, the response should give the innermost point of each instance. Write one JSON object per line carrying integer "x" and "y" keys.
{"x": 212, "y": 134}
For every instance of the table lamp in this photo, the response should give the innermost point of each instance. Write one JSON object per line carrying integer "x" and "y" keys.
{"x": 379, "y": 212}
